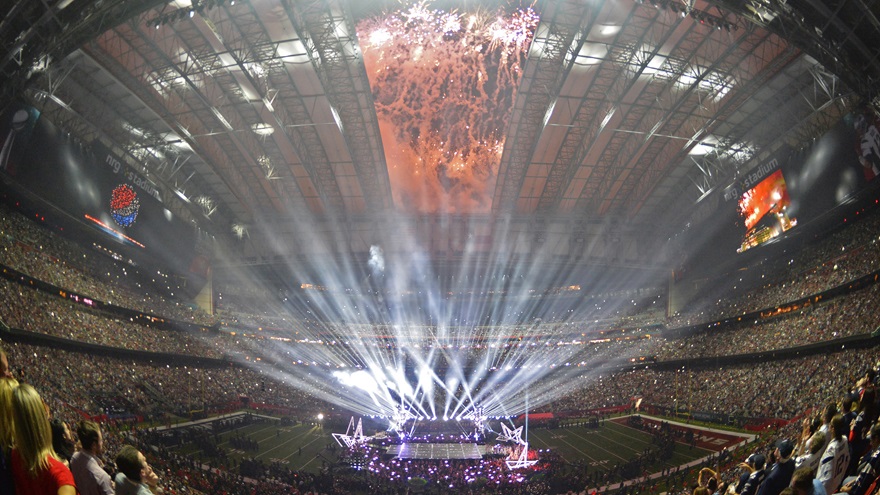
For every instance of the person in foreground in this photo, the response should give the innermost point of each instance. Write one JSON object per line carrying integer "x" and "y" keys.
{"x": 136, "y": 476}
{"x": 36, "y": 468}
{"x": 86, "y": 465}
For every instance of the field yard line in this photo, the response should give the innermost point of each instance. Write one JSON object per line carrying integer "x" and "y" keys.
{"x": 306, "y": 464}
{"x": 631, "y": 437}
{"x": 600, "y": 448}
{"x": 270, "y": 437}
{"x": 283, "y": 444}
{"x": 664, "y": 463}
{"x": 536, "y": 436}
{"x": 254, "y": 433}
{"x": 310, "y": 460}
{"x": 227, "y": 441}
{"x": 588, "y": 456}
{"x": 676, "y": 441}
{"x": 539, "y": 438}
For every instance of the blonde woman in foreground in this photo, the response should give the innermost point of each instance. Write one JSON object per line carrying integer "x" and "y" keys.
{"x": 36, "y": 468}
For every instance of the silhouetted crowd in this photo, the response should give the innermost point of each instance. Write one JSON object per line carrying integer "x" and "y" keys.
{"x": 824, "y": 405}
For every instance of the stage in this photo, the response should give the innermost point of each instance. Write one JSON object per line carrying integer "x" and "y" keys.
{"x": 437, "y": 451}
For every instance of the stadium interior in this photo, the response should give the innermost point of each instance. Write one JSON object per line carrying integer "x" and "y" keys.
{"x": 449, "y": 246}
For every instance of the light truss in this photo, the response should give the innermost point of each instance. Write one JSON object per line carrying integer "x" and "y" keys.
{"x": 560, "y": 22}
{"x": 329, "y": 37}
{"x": 521, "y": 460}
{"x": 353, "y": 436}
{"x": 478, "y": 416}
{"x": 399, "y": 418}
{"x": 511, "y": 435}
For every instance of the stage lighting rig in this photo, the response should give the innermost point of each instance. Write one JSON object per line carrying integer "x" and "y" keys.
{"x": 398, "y": 421}
{"x": 353, "y": 436}
{"x": 478, "y": 416}
{"x": 198, "y": 6}
{"x": 700, "y": 16}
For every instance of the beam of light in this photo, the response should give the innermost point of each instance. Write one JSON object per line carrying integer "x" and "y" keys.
{"x": 444, "y": 85}
{"x": 360, "y": 379}
{"x": 114, "y": 233}
{"x": 464, "y": 319}
{"x": 441, "y": 341}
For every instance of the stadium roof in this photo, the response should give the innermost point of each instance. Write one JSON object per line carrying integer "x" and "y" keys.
{"x": 276, "y": 123}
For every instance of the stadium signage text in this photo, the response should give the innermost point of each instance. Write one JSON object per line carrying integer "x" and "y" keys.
{"x": 759, "y": 173}
{"x": 736, "y": 190}
{"x": 130, "y": 176}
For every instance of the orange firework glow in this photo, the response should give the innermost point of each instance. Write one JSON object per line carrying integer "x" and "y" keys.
{"x": 444, "y": 86}
{"x": 769, "y": 196}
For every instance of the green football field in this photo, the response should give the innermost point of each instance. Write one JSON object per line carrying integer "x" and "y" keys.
{"x": 305, "y": 447}
{"x": 606, "y": 446}
{"x": 302, "y": 447}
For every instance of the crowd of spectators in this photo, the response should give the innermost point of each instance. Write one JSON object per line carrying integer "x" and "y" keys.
{"x": 39, "y": 312}
{"x": 453, "y": 475}
{"x": 843, "y": 316}
{"x": 77, "y": 384}
{"x": 150, "y": 391}
{"x": 782, "y": 389}
{"x": 36, "y": 311}
{"x": 772, "y": 389}
{"x": 841, "y": 257}
{"x": 37, "y": 251}
{"x": 41, "y": 253}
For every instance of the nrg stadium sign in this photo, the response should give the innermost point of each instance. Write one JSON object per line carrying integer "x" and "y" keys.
{"x": 761, "y": 172}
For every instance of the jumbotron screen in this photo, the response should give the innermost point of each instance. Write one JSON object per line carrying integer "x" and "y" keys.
{"x": 764, "y": 209}
{"x": 805, "y": 190}
{"x": 94, "y": 187}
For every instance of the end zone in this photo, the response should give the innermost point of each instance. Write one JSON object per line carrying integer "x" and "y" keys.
{"x": 703, "y": 437}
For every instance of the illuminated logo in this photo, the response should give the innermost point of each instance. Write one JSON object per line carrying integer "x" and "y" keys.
{"x": 124, "y": 205}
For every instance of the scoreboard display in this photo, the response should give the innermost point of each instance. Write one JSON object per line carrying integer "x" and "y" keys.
{"x": 789, "y": 193}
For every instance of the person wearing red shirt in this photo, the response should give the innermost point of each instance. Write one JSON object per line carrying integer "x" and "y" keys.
{"x": 36, "y": 468}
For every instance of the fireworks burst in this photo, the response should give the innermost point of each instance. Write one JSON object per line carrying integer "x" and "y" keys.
{"x": 444, "y": 86}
